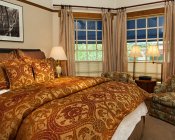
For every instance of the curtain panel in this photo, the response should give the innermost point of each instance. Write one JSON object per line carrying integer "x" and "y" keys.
{"x": 169, "y": 40}
{"x": 67, "y": 39}
{"x": 120, "y": 41}
{"x": 107, "y": 42}
{"x": 114, "y": 42}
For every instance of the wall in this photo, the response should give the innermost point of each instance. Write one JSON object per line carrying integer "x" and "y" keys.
{"x": 45, "y": 3}
{"x": 37, "y": 29}
{"x": 110, "y": 3}
{"x": 100, "y": 3}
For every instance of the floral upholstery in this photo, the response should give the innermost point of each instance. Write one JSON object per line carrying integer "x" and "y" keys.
{"x": 163, "y": 101}
{"x": 119, "y": 76}
{"x": 168, "y": 86}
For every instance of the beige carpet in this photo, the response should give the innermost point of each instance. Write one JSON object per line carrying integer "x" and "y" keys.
{"x": 156, "y": 129}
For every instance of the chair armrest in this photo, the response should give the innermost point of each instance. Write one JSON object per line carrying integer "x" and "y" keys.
{"x": 160, "y": 88}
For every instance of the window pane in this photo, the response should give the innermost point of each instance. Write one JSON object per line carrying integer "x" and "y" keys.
{"x": 161, "y": 33}
{"x": 99, "y": 46}
{"x": 131, "y": 24}
{"x": 91, "y": 25}
{"x": 99, "y": 35}
{"x": 81, "y": 24}
{"x": 91, "y": 55}
{"x": 99, "y": 25}
{"x": 81, "y": 45}
{"x": 130, "y": 34}
{"x": 91, "y": 45}
{"x": 91, "y": 35}
{"x": 141, "y": 34}
{"x": 161, "y": 21}
{"x": 99, "y": 55}
{"x": 152, "y": 33}
{"x": 82, "y": 55}
{"x": 143, "y": 47}
{"x": 81, "y": 35}
{"x": 141, "y": 23}
{"x": 152, "y": 22}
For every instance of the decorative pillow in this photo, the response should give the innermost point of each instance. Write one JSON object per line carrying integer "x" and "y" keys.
{"x": 30, "y": 61}
{"x": 5, "y": 58}
{"x": 20, "y": 74}
{"x": 43, "y": 71}
{"x": 3, "y": 79}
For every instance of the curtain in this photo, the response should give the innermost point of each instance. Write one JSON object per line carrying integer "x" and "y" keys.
{"x": 169, "y": 38}
{"x": 108, "y": 63}
{"x": 67, "y": 39}
{"x": 114, "y": 45}
{"x": 121, "y": 41}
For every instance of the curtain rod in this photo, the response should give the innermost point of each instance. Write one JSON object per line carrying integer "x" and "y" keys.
{"x": 150, "y": 3}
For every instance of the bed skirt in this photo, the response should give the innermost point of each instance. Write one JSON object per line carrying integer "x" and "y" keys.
{"x": 137, "y": 134}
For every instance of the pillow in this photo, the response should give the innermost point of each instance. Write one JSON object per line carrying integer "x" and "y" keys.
{"x": 43, "y": 71}
{"x": 30, "y": 60}
{"x": 19, "y": 74}
{"x": 3, "y": 79}
{"x": 5, "y": 58}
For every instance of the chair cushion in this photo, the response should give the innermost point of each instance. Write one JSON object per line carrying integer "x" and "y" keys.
{"x": 162, "y": 115}
{"x": 163, "y": 108}
{"x": 167, "y": 99}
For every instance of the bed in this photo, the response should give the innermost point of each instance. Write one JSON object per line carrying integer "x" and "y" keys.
{"x": 68, "y": 107}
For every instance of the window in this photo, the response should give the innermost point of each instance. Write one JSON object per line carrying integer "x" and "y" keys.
{"x": 88, "y": 47}
{"x": 144, "y": 32}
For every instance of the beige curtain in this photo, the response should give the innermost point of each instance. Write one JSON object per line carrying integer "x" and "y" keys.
{"x": 108, "y": 63}
{"x": 169, "y": 38}
{"x": 114, "y": 45}
{"x": 67, "y": 39}
{"x": 120, "y": 41}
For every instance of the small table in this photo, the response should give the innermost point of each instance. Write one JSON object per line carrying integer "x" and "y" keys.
{"x": 147, "y": 85}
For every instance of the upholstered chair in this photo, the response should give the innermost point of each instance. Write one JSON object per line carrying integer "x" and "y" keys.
{"x": 119, "y": 76}
{"x": 163, "y": 101}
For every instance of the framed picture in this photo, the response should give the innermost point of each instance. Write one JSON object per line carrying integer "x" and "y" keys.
{"x": 11, "y": 22}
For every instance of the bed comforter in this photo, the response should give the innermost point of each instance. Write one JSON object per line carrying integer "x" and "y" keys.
{"x": 67, "y": 108}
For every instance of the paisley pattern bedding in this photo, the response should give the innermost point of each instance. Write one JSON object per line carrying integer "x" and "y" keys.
{"x": 67, "y": 108}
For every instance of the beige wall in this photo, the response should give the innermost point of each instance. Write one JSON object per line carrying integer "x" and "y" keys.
{"x": 37, "y": 29}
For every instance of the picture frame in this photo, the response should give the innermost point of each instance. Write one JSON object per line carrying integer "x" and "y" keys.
{"x": 11, "y": 22}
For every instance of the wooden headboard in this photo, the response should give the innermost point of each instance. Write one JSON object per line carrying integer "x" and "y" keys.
{"x": 33, "y": 53}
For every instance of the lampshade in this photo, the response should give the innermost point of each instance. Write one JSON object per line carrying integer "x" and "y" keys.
{"x": 152, "y": 51}
{"x": 135, "y": 51}
{"x": 58, "y": 53}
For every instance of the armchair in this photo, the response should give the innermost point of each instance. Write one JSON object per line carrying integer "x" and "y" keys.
{"x": 119, "y": 76}
{"x": 163, "y": 102}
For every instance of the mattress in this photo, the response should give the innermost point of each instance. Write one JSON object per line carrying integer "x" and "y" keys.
{"x": 3, "y": 91}
{"x": 128, "y": 124}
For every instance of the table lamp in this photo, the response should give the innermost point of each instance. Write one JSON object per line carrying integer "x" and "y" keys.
{"x": 58, "y": 54}
{"x": 135, "y": 52}
{"x": 153, "y": 51}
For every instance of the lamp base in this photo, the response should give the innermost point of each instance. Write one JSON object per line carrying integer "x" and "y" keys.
{"x": 58, "y": 70}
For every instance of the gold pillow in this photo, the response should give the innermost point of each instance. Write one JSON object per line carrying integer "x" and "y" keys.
{"x": 30, "y": 61}
{"x": 43, "y": 71}
{"x": 3, "y": 79}
{"x": 19, "y": 74}
{"x": 6, "y": 57}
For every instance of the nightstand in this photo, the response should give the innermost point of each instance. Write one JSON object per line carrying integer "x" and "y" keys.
{"x": 147, "y": 85}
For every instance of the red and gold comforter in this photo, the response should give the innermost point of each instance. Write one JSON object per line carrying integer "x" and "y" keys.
{"x": 67, "y": 108}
